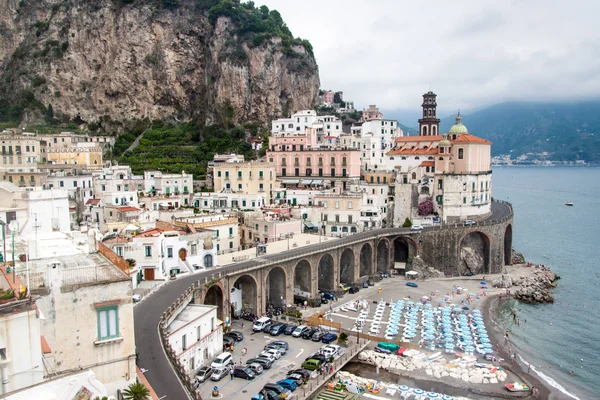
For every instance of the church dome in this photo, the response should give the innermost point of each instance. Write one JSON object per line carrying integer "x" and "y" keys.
{"x": 445, "y": 142}
{"x": 458, "y": 127}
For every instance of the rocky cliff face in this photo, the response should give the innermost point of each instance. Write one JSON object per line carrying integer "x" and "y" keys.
{"x": 136, "y": 59}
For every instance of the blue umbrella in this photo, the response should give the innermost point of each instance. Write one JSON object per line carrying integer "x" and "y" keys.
{"x": 403, "y": 388}
{"x": 418, "y": 391}
{"x": 433, "y": 395}
{"x": 446, "y": 397}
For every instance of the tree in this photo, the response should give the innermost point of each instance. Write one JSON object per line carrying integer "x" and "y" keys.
{"x": 407, "y": 223}
{"x": 136, "y": 391}
{"x": 425, "y": 207}
{"x": 337, "y": 98}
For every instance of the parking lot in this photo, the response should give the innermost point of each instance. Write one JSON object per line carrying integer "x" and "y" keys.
{"x": 299, "y": 350}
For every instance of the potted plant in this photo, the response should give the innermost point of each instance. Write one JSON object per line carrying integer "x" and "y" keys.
{"x": 136, "y": 391}
{"x": 343, "y": 338}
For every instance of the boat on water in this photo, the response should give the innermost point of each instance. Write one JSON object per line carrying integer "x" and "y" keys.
{"x": 517, "y": 387}
{"x": 569, "y": 203}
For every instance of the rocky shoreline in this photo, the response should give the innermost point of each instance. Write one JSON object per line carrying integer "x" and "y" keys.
{"x": 536, "y": 288}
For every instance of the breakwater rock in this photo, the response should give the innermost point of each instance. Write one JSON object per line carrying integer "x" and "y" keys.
{"x": 461, "y": 368}
{"x": 530, "y": 289}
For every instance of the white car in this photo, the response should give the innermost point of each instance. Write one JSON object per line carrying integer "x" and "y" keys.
{"x": 276, "y": 353}
{"x": 338, "y": 351}
{"x": 267, "y": 355}
{"x": 298, "y": 331}
{"x": 416, "y": 228}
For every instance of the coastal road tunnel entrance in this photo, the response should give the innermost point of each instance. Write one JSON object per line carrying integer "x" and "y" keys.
{"x": 347, "y": 267}
{"x": 302, "y": 279}
{"x": 276, "y": 287}
{"x": 214, "y": 296}
{"x": 326, "y": 273}
{"x": 474, "y": 254}
{"x": 383, "y": 256}
{"x": 366, "y": 260}
{"x": 248, "y": 288}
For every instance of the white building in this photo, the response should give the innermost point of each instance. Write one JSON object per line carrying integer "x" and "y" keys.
{"x": 325, "y": 125}
{"x": 159, "y": 183}
{"x": 117, "y": 185}
{"x": 228, "y": 201}
{"x": 196, "y": 336}
{"x": 225, "y": 227}
{"x": 338, "y": 214}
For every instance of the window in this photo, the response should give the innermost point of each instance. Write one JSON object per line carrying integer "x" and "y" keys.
{"x": 239, "y": 174}
{"x": 194, "y": 249}
{"x": 208, "y": 260}
{"x": 119, "y": 251}
{"x": 231, "y": 245}
{"x": 337, "y": 204}
{"x": 103, "y": 188}
{"x": 461, "y": 154}
{"x": 183, "y": 341}
{"x": 219, "y": 174}
{"x": 108, "y": 322}
{"x": 230, "y": 231}
{"x": 337, "y": 218}
{"x": 349, "y": 219}
{"x": 62, "y": 184}
{"x": 325, "y": 204}
{"x": 148, "y": 251}
{"x": 464, "y": 200}
{"x": 350, "y": 205}
{"x": 169, "y": 252}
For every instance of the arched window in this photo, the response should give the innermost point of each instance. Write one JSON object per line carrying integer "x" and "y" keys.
{"x": 434, "y": 130}
{"x": 208, "y": 260}
{"x": 426, "y": 169}
{"x": 441, "y": 158}
{"x": 414, "y": 175}
{"x": 404, "y": 158}
{"x": 424, "y": 131}
{"x": 430, "y": 158}
{"x": 417, "y": 158}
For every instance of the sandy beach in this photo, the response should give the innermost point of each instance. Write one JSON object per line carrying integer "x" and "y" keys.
{"x": 487, "y": 304}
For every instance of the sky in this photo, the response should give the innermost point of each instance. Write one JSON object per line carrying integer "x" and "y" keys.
{"x": 471, "y": 53}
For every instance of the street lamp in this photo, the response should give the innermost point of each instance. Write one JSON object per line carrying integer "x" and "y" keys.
{"x": 13, "y": 226}
{"x": 3, "y": 240}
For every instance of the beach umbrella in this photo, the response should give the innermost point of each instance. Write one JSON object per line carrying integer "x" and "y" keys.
{"x": 446, "y": 397}
{"x": 403, "y": 388}
{"x": 418, "y": 391}
{"x": 433, "y": 395}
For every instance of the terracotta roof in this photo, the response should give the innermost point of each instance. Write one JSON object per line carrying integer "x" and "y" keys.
{"x": 409, "y": 151}
{"x": 156, "y": 231}
{"x": 428, "y": 164}
{"x": 45, "y": 346}
{"x": 93, "y": 202}
{"x": 128, "y": 209}
{"x": 404, "y": 139}
{"x": 468, "y": 138}
{"x": 330, "y": 137}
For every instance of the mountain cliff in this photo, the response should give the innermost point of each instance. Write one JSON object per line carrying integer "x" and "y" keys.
{"x": 103, "y": 61}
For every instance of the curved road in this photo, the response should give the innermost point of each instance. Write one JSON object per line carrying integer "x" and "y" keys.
{"x": 147, "y": 313}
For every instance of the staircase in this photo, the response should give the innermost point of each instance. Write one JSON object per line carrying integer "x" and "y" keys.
{"x": 328, "y": 394}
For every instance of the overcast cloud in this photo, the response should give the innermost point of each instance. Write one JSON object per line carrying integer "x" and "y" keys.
{"x": 472, "y": 53}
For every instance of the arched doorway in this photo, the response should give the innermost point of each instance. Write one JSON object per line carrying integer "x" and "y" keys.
{"x": 275, "y": 287}
{"x": 214, "y": 296}
{"x": 347, "y": 267}
{"x": 404, "y": 249}
{"x": 244, "y": 294}
{"x": 383, "y": 256}
{"x": 508, "y": 245}
{"x": 326, "y": 273}
{"x": 182, "y": 254}
{"x": 366, "y": 260}
{"x": 474, "y": 254}
{"x": 302, "y": 278}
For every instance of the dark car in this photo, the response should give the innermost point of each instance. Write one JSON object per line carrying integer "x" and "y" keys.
{"x": 269, "y": 395}
{"x": 281, "y": 343}
{"x": 300, "y": 371}
{"x": 365, "y": 285}
{"x": 370, "y": 282}
{"x": 236, "y": 335}
{"x": 289, "y": 329}
{"x": 354, "y": 289}
{"x": 296, "y": 378}
{"x": 228, "y": 342}
{"x": 280, "y": 346}
{"x": 309, "y": 334}
{"x": 327, "y": 296}
{"x": 277, "y": 329}
{"x": 267, "y": 327}
{"x": 278, "y": 389}
{"x": 317, "y": 336}
{"x": 318, "y": 356}
{"x": 243, "y": 372}
{"x": 266, "y": 363}
{"x": 329, "y": 337}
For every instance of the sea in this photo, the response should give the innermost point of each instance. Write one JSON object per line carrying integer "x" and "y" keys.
{"x": 561, "y": 341}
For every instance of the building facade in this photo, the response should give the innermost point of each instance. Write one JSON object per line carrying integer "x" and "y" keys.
{"x": 253, "y": 178}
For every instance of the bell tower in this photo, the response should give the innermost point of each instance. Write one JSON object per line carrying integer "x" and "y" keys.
{"x": 429, "y": 124}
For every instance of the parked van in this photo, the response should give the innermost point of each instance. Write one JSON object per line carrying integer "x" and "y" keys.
{"x": 261, "y": 323}
{"x": 222, "y": 360}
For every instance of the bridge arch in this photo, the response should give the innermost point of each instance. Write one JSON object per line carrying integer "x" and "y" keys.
{"x": 215, "y": 296}
{"x": 275, "y": 287}
{"x": 474, "y": 254}
{"x": 326, "y": 273}
{"x": 366, "y": 260}
{"x": 347, "y": 267}
{"x": 303, "y": 277}
{"x": 405, "y": 248}
{"x": 383, "y": 255}
{"x": 248, "y": 287}
{"x": 508, "y": 245}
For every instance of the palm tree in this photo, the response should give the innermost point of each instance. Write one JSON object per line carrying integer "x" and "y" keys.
{"x": 136, "y": 391}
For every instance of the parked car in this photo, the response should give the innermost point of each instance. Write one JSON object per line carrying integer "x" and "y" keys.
{"x": 329, "y": 337}
{"x": 318, "y": 356}
{"x": 136, "y": 297}
{"x": 281, "y": 344}
{"x": 327, "y": 296}
{"x": 290, "y": 329}
{"x": 412, "y": 284}
{"x": 274, "y": 352}
{"x": 287, "y": 393}
{"x": 468, "y": 222}
{"x": 222, "y": 360}
{"x": 266, "y": 395}
{"x": 243, "y": 372}
{"x": 371, "y": 282}
{"x": 300, "y": 371}
{"x": 300, "y": 331}
{"x": 416, "y": 228}
{"x": 297, "y": 378}
{"x": 260, "y": 324}
{"x": 309, "y": 334}
{"x": 228, "y": 341}
{"x": 219, "y": 373}
{"x": 354, "y": 289}
{"x": 288, "y": 384}
{"x": 204, "y": 374}
{"x": 257, "y": 368}
{"x": 237, "y": 335}
{"x": 277, "y": 329}
{"x": 317, "y": 336}
{"x": 344, "y": 287}
{"x": 265, "y": 363}
{"x": 332, "y": 350}
{"x": 267, "y": 327}
{"x": 311, "y": 364}
{"x": 365, "y": 285}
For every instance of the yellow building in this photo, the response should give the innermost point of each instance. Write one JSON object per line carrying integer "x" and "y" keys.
{"x": 245, "y": 177}
{"x": 88, "y": 156}
{"x": 21, "y": 154}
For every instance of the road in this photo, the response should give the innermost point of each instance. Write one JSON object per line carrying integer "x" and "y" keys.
{"x": 147, "y": 313}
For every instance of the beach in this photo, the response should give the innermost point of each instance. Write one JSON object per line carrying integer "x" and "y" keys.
{"x": 488, "y": 303}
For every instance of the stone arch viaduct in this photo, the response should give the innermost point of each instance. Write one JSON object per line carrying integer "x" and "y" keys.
{"x": 272, "y": 279}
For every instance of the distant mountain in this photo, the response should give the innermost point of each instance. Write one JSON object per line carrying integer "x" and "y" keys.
{"x": 408, "y": 130}
{"x": 567, "y": 131}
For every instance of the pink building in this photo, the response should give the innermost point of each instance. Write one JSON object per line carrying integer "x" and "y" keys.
{"x": 298, "y": 157}
{"x": 328, "y": 96}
